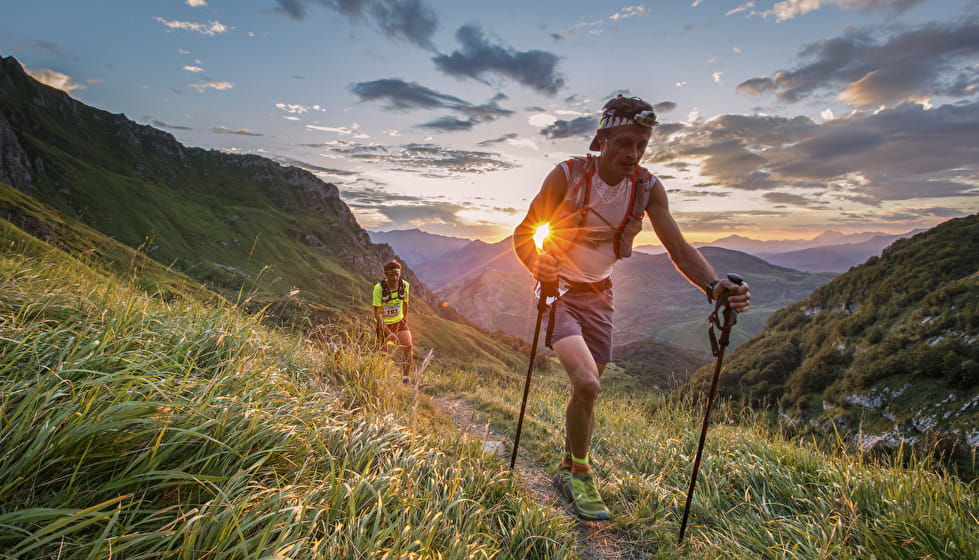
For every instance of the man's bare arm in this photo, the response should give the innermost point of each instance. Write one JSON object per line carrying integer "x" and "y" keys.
{"x": 542, "y": 210}
{"x": 688, "y": 260}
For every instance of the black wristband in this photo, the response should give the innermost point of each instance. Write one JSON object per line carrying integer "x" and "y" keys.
{"x": 710, "y": 290}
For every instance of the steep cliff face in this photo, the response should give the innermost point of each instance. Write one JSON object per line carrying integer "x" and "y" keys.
{"x": 222, "y": 218}
{"x": 15, "y": 167}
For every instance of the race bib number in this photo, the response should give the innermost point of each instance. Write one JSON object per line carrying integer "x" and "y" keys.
{"x": 392, "y": 310}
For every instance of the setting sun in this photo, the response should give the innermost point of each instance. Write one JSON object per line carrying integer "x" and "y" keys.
{"x": 540, "y": 234}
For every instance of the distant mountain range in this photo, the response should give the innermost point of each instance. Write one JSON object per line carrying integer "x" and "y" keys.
{"x": 828, "y": 252}
{"x": 488, "y": 284}
{"x": 416, "y": 246}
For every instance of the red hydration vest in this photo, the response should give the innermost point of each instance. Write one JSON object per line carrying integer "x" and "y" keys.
{"x": 574, "y": 208}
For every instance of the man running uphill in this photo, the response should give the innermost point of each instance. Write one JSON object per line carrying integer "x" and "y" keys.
{"x": 391, "y": 312}
{"x": 594, "y": 207}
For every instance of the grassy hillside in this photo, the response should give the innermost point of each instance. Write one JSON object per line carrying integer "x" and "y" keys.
{"x": 656, "y": 364}
{"x": 891, "y": 348}
{"x": 133, "y": 428}
{"x": 226, "y": 220}
{"x": 275, "y": 240}
{"x": 137, "y": 427}
{"x": 74, "y": 237}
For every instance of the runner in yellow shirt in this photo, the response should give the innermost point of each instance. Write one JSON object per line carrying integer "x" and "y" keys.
{"x": 391, "y": 297}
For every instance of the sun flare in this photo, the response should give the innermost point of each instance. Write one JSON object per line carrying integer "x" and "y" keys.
{"x": 541, "y": 234}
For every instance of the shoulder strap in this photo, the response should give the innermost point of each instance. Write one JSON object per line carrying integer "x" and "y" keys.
{"x": 580, "y": 172}
{"x": 642, "y": 184}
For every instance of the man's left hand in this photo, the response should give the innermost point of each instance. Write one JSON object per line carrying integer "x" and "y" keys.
{"x": 738, "y": 296}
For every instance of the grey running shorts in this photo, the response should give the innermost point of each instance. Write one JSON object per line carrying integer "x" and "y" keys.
{"x": 586, "y": 314}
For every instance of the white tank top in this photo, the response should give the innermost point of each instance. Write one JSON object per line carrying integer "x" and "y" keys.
{"x": 592, "y": 254}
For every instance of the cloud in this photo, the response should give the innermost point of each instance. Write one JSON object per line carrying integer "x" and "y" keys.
{"x": 593, "y": 27}
{"x": 724, "y": 222}
{"x": 781, "y": 199}
{"x": 478, "y": 58}
{"x": 788, "y": 9}
{"x": 292, "y": 108}
{"x": 377, "y": 208}
{"x": 448, "y": 124}
{"x": 161, "y": 124}
{"x": 630, "y": 11}
{"x": 338, "y": 129}
{"x": 863, "y": 157}
{"x": 195, "y": 69}
{"x": 913, "y": 65}
{"x": 312, "y": 167}
{"x": 409, "y": 20}
{"x": 756, "y": 86}
{"x": 742, "y": 8}
{"x": 211, "y": 28}
{"x": 208, "y": 83}
{"x": 500, "y": 140}
{"x": 196, "y": 3}
{"x": 55, "y": 79}
{"x": 541, "y": 120}
{"x": 581, "y": 126}
{"x": 406, "y": 96}
{"x": 45, "y": 46}
{"x": 402, "y": 95}
{"x": 578, "y": 28}
{"x": 240, "y": 131}
{"x": 429, "y": 159}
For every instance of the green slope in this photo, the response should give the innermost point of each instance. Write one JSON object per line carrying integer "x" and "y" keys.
{"x": 889, "y": 347}
{"x": 135, "y": 427}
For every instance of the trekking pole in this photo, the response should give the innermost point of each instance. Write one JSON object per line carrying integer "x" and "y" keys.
{"x": 547, "y": 289}
{"x": 717, "y": 347}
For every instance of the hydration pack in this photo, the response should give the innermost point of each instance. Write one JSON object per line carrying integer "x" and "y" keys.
{"x": 575, "y": 206}
{"x": 386, "y": 292}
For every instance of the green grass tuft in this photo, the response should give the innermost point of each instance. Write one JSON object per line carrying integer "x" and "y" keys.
{"x": 136, "y": 428}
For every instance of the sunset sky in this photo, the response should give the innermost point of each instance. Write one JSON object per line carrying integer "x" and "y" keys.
{"x": 780, "y": 120}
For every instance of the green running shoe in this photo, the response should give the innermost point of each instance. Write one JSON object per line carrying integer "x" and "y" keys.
{"x": 563, "y": 476}
{"x": 562, "y": 480}
{"x": 582, "y": 492}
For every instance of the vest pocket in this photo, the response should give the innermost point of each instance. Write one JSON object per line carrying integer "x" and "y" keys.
{"x": 632, "y": 228}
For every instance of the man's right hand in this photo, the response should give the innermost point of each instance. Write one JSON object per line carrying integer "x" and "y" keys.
{"x": 545, "y": 268}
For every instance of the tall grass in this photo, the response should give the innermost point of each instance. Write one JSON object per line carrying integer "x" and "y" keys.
{"x": 141, "y": 427}
{"x": 136, "y": 428}
{"x": 759, "y": 494}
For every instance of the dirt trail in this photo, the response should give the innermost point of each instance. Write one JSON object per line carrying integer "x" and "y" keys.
{"x": 596, "y": 540}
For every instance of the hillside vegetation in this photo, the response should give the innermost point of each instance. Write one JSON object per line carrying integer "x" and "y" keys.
{"x": 134, "y": 426}
{"x": 271, "y": 239}
{"x": 890, "y": 349}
